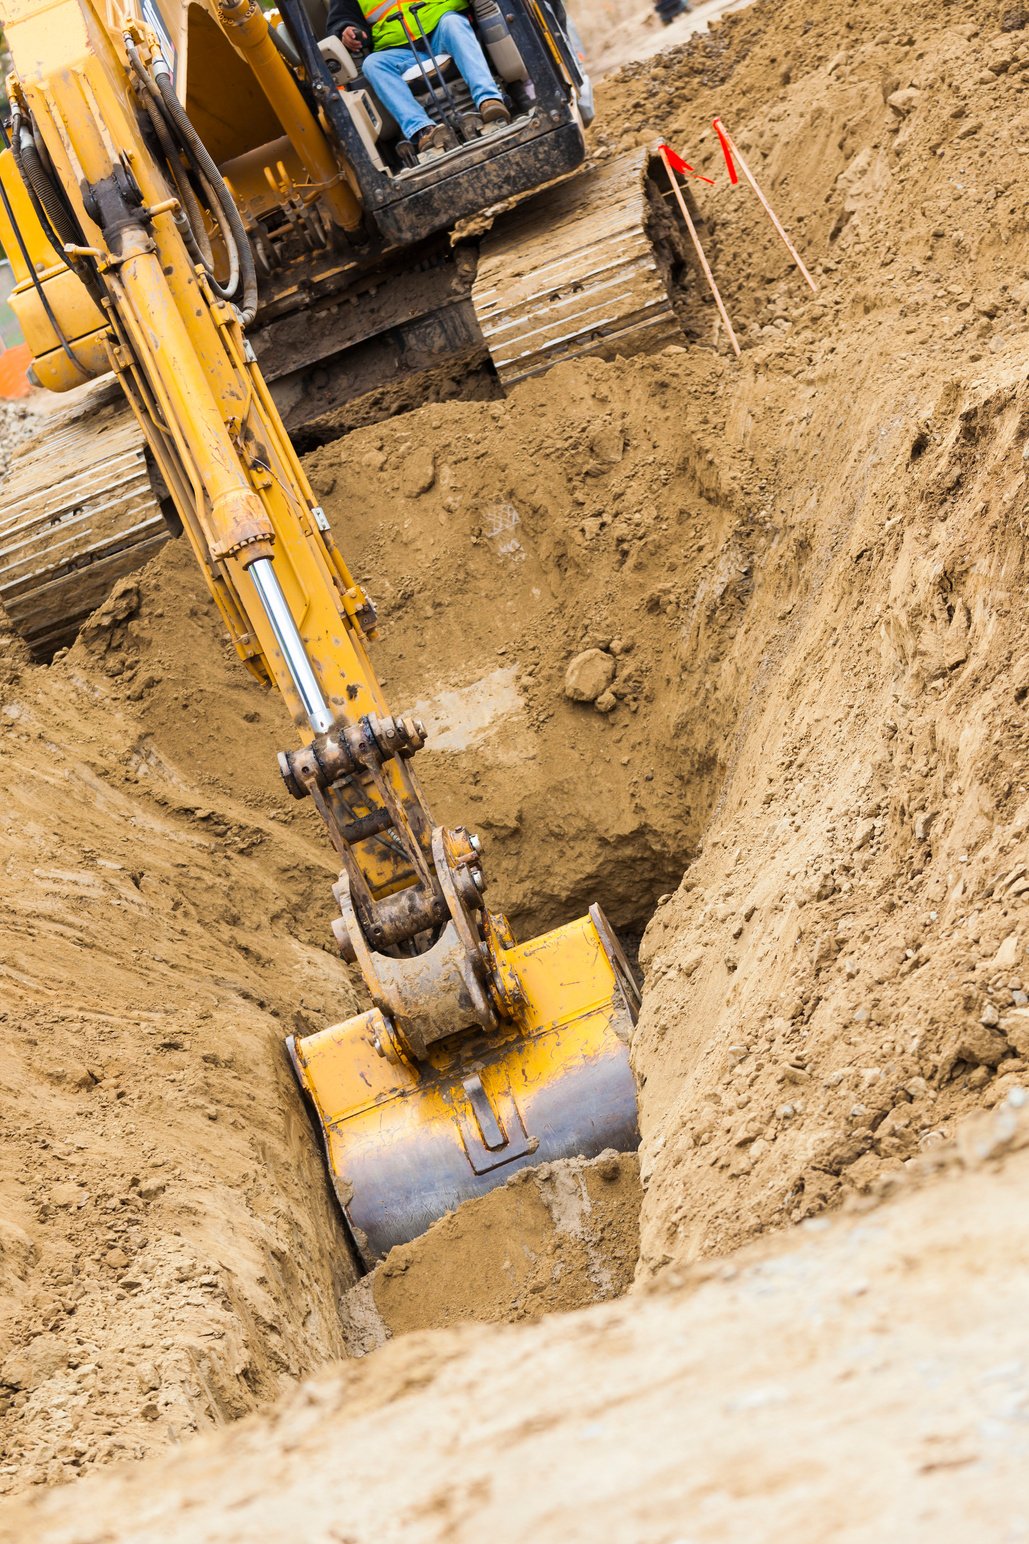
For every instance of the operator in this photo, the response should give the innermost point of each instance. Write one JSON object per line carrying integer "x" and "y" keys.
{"x": 397, "y": 28}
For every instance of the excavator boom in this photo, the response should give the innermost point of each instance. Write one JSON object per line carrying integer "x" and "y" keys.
{"x": 478, "y": 1055}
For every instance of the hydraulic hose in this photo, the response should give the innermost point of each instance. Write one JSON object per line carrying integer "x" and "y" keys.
{"x": 228, "y": 289}
{"x": 288, "y": 52}
{"x": 181, "y": 144}
{"x": 34, "y": 175}
{"x": 48, "y": 206}
{"x": 38, "y": 286}
{"x": 224, "y": 208}
{"x": 191, "y": 219}
{"x": 176, "y": 134}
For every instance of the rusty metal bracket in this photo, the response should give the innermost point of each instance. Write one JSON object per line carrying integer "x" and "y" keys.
{"x": 343, "y": 751}
{"x": 434, "y": 994}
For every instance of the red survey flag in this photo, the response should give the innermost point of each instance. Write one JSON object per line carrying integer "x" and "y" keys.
{"x": 684, "y": 168}
{"x": 733, "y": 154}
{"x": 726, "y": 150}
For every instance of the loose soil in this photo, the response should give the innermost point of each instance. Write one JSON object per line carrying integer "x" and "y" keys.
{"x": 553, "y": 1238}
{"x": 841, "y": 1382}
{"x": 803, "y": 784}
{"x": 167, "y": 1246}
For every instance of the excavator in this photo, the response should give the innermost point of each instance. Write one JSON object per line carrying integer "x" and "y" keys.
{"x": 376, "y": 276}
{"x": 478, "y": 1055}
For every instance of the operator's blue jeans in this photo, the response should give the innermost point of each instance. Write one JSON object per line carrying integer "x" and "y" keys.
{"x": 452, "y": 35}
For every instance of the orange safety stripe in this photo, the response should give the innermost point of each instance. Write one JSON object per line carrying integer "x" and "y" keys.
{"x": 378, "y": 12}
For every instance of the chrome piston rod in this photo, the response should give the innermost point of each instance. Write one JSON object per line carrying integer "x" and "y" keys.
{"x": 291, "y": 645}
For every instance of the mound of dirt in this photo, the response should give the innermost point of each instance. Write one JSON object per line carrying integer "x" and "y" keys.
{"x": 553, "y": 1238}
{"x": 842, "y": 971}
{"x": 840, "y": 1382}
{"x": 168, "y": 1255}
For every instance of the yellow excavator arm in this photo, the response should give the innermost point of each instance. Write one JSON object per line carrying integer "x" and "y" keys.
{"x": 478, "y": 1054}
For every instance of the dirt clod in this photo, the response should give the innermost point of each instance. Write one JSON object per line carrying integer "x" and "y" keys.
{"x": 589, "y": 675}
{"x": 553, "y": 1238}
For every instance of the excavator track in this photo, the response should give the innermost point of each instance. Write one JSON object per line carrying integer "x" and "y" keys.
{"x": 577, "y": 271}
{"x": 77, "y": 512}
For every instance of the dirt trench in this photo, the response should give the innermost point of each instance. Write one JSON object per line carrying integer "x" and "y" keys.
{"x": 166, "y": 915}
{"x": 171, "y": 1257}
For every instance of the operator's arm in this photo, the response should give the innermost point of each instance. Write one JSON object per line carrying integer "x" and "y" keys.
{"x": 344, "y": 14}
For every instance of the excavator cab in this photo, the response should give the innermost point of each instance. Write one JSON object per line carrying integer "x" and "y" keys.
{"x": 536, "y": 62}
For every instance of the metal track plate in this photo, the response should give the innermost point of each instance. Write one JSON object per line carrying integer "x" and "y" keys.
{"x": 574, "y": 272}
{"x": 77, "y": 512}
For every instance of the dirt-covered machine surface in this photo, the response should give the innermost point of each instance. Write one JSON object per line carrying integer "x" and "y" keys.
{"x": 361, "y": 288}
{"x": 79, "y": 511}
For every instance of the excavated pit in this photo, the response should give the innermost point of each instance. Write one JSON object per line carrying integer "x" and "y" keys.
{"x": 169, "y": 918}
{"x": 802, "y": 575}
{"x": 171, "y": 1253}
{"x": 526, "y": 553}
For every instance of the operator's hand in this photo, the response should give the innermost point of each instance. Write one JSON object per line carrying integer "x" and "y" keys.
{"x": 353, "y": 39}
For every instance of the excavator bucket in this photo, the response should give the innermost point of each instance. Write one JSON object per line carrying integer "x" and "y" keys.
{"x": 407, "y": 1142}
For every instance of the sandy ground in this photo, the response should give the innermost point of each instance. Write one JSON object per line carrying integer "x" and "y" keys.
{"x": 848, "y": 1382}
{"x": 161, "y": 1194}
{"x": 613, "y": 34}
{"x": 804, "y": 787}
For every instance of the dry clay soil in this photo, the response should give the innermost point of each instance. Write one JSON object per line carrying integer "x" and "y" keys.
{"x": 803, "y": 786}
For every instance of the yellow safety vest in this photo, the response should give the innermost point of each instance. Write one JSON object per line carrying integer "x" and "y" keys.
{"x": 392, "y": 23}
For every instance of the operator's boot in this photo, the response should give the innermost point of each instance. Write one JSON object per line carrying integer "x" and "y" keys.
{"x": 433, "y": 141}
{"x": 492, "y": 111}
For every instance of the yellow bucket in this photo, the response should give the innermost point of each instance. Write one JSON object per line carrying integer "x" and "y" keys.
{"x": 407, "y": 1142}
